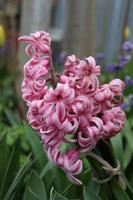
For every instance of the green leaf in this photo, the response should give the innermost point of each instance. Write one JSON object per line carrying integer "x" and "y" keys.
{"x": 56, "y": 196}
{"x": 36, "y": 147}
{"x": 35, "y": 188}
{"x": 3, "y": 183}
{"x": 45, "y": 170}
{"x": 52, "y": 195}
{"x": 118, "y": 147}
{"x": 105, "y": 192}
{"x": 66, "y": 189}
{"x": 119, "y": 193}
{"x": 90, "y": 194}
{"x": 11, "y": 117}
{"x": 60, "y": 179}
{"x": 94, "y": 186}
{"x": 128, "y": 184}
{"x": 4, "y": 154}
{"x": 127, "y": 156}
{"x": 32, "y": 195}
{"x": 128, "y": 134}
{"x": 18, "y": 178}
{"x": 14, "y": 167}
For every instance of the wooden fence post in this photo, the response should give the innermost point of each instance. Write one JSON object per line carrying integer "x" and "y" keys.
{"x": 79, "y": 27}
{"x": 35, "y": 16}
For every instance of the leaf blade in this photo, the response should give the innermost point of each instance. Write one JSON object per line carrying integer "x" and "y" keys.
{"x": 35, "y": 187}
{"x": 89, "y": 194}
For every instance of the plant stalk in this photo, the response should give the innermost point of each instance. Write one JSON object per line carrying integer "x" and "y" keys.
{"x": 52, "y": 71}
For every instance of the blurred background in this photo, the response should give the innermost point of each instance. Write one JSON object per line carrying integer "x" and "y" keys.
{"x": 100, "y": 28}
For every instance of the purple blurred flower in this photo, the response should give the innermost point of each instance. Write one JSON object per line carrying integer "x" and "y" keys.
{"x": 124, "y": 60}
{"x": 128, "y": 81}
{"x": 124, "y": 106}
{"x": 61, "y": 57}
{"x": 4, "y": 50}
{"x": 114, "y": 67}
{"x": 131, "y": 100}
{"x": 127, "y": 46}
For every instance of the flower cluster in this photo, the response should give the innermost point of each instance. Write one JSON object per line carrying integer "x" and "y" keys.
{"x": 127, "y": 46}
{"x": 77, "y": 111}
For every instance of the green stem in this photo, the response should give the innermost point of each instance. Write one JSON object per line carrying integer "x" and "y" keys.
{"x": 101, "y": 160}
{"x": 52, "y": 71}
{"x": 107, "y": 167}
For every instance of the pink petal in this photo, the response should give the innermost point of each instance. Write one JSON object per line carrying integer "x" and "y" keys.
{"x": 73, "y": 179}
{"x": 60, "y": 109}
{"x": 77, "y": 167}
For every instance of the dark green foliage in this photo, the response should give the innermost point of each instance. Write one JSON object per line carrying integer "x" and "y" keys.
{"x": 27, "y": 176}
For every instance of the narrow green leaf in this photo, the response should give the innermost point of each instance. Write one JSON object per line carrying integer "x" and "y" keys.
{"x": 118, "y": 147}
{"x": 3, "y": 134}
{"x": 11, "y": 117}
{"x": 32, "y": 195}
{"x": 128, "y": 184}
{"x": 45, "y": 170}
{"x": 6, "y": 171}
{"x": 105, "y": 192}
{"x": 66, "y": 189}
{"x": 54, "y": 195}
{"x": 36, "y": 146}
{"x": 4, "y": 154}
{"x": 128, "y": 134}
{"x": 94, "y": 186}
{"x": 18, "y": 178}
{"x": 90, "y": 194}
{"x": 119, "y": 193}
{"x": 35, "y": 188}
{"x": 127, "y": 156}
{"x": 60, "y": 179}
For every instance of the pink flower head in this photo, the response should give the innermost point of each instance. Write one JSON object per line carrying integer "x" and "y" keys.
{"x": 34, "y": 69}
{"x": 81, "y": 75}
{"x": 38, "y": 43}
{"x": 87, "y": 67}
{"x": 75, "y": 110}
{"x": 70, "y": 65}
{"x": 59, "y": 99}
{"x": 113, "y": 120}
{"x": 69, "y": 162}
{"x": 110, "y": 95}
{"x": 34, "y": 115}
{"x": 90, "y": 135}
{"x": 33, "y": 90}
{"x": 33, "y": 85}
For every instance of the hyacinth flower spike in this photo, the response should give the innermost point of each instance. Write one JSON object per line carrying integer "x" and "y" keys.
{"x": 75, "y": 109}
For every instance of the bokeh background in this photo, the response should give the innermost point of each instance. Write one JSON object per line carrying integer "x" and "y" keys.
{"x": 100, "y": 28}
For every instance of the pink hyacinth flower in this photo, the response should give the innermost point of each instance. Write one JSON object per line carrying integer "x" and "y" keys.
{"x": 75, "y": 110}
{"x": 38, "y": 43}
{"x": 69, "y": 162}
{"x": 59, "y": 99}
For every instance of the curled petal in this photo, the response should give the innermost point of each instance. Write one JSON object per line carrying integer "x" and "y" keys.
{"x": 87, "y": 140}
{"x": 117, "y": 85}
{"x": 77, "y": 167}
{"x": 60, "y": 109}
{"x": 69, "y": 162}
{"x": 70, "y": 140}
{"x": 74, "y": 179}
